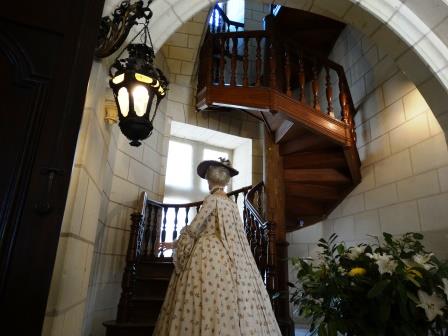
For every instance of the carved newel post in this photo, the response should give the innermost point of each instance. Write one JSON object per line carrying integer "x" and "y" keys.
{"x": 275, "y": 212}
{"x": 128, "y": 282}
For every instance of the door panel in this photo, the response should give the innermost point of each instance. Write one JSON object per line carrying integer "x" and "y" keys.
{"x": 46, "y": 53}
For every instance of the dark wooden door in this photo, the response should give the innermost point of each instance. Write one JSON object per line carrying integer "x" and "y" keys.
{"x": 46, "y": 51}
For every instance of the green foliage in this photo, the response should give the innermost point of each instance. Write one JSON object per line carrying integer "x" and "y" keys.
{"x": 382, "y": 289}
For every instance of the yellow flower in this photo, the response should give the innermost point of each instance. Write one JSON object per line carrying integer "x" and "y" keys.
{"x": 413, "y": 273}
{"x": 357, "y": 271}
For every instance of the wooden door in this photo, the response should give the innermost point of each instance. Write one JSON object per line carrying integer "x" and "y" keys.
{"x": 46, "y": 51}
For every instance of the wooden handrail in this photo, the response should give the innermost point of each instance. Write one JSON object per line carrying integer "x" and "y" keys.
{"x": 249, "y": 203}
{"x": 326, "y": 62}
{"x": 227, "y": 23}
{"x": 285, "y": 63}
{"x": 192, "y": 204}
{"x": 241, "y": 34}
{"x": 261, "y": 237}
{"x": 144, "y": 233}
{"x": 156, "y": 228}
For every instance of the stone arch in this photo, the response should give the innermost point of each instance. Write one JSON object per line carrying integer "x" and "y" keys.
{"x": 394, "y": 25}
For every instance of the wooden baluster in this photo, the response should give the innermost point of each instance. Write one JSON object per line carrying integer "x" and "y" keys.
{"x": 254, "y": 236}
{"x": 260, "y": 202}
{"x": 315, "y": 88}
{"x": 273, "y": 67}
{"x": 214, "y": 21}
{"x": 301, "y": 78}
{"x": 176, "y": 211}
{"x": 233, "y": 62}
{"x": 343, "y": 102}
{"x": 246, "y": 63}
{"x": 128, "y": 281}
{"x": 271, "y": 282}
{"x": 258, "y": 63}
{"x": 163, "y": 235}
{"x": 221, "y": 62}
{"x": 236, "y": 197}
{"x": 148, "y": 230}
{"x": 187, "y": 210}
{"x": 227, "y": 46}
{"x": 154, "y": 232}
{"x": 219, "y": 24}
{"x": 287, "y": 74}
{"x": 329, "y": 92}
{"x": 256, "y": 244}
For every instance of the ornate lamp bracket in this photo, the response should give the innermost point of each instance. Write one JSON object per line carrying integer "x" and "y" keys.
{"x": 115, "y": 29}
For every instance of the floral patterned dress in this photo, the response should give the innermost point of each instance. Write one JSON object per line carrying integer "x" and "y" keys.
{"x": 216, "y": 288}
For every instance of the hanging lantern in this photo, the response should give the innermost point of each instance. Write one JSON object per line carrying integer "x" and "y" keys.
{"x": 138, "y": 87}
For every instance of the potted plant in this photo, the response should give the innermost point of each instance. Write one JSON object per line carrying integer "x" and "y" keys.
{"x": 390, "y": 288}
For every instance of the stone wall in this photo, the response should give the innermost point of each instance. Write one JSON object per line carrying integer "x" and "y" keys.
{"x": 107, "y": 177}
{"x": 403, "y": 152}
{"x": 181, "y": 52}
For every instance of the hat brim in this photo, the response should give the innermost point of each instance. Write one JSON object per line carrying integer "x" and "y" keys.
{"x": 203, "y": 166}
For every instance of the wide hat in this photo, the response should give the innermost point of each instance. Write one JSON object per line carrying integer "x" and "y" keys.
{"x": 203, "y": 166}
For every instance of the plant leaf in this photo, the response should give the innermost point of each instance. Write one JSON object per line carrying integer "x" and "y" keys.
{"x": 378, "y": 288}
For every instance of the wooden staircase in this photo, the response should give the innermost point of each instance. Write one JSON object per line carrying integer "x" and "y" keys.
{"x": 148, "y": 271}
{"x": 151, "y": 281}
{"x": 304, "y": 101}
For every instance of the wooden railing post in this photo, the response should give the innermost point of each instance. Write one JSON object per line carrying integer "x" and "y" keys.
{"x": 301, "y": 78}
{"x": 315, "y": 87}
{"x": 154, "y": 231}
{"x": 287, "y": 74}
{"x": 221, "y": 61}
{"x": 233, "y": 62}
{"x": 163, "y": 234}
{"x": 272, "y": 66}
{"x": 258, "y": 63}
{"x": 128, "y": 281}
{"x": 271, "y": 279}
{"x": 246, "y": 63}
{"x": 329, "y": 93}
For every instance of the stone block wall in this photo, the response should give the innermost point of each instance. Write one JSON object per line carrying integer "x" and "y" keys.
{"x": 182, "y": 94}
{"x": 107, "y": 177}
{"x": 403, "y": 153}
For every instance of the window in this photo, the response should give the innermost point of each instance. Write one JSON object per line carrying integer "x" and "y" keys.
{"x": 234, "y": 10}
{"x": 181, "y": 179}
{"x": 179, "y": 168}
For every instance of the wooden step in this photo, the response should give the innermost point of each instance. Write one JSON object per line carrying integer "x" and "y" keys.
{"x": 313, "y": 191}
{"x": 157, "y": 269}
{"x": 114, "y": 328}
{"x": 148, "y": 286}
{"x": 318, "y": 176}
{"x": 316, "y": 159}
{"x": 300, "y": 206}
{"x": 145, "y": 308}
{"x": 307, "y": 143}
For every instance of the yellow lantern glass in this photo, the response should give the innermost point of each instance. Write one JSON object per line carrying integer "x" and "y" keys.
{"x": 118, "y": 79}
{"x": 143, "y": 78}
{"x": 123, "y": 101}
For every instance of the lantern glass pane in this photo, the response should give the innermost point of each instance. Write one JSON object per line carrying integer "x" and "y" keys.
{"x": 141, "y": 97}
{"x": 123, "y": 101}
{"x": 143, "y": 78}
{"x": 118, "y": 79}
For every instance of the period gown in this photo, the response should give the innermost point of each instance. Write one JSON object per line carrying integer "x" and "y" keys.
{"x": 216, "y": 288}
